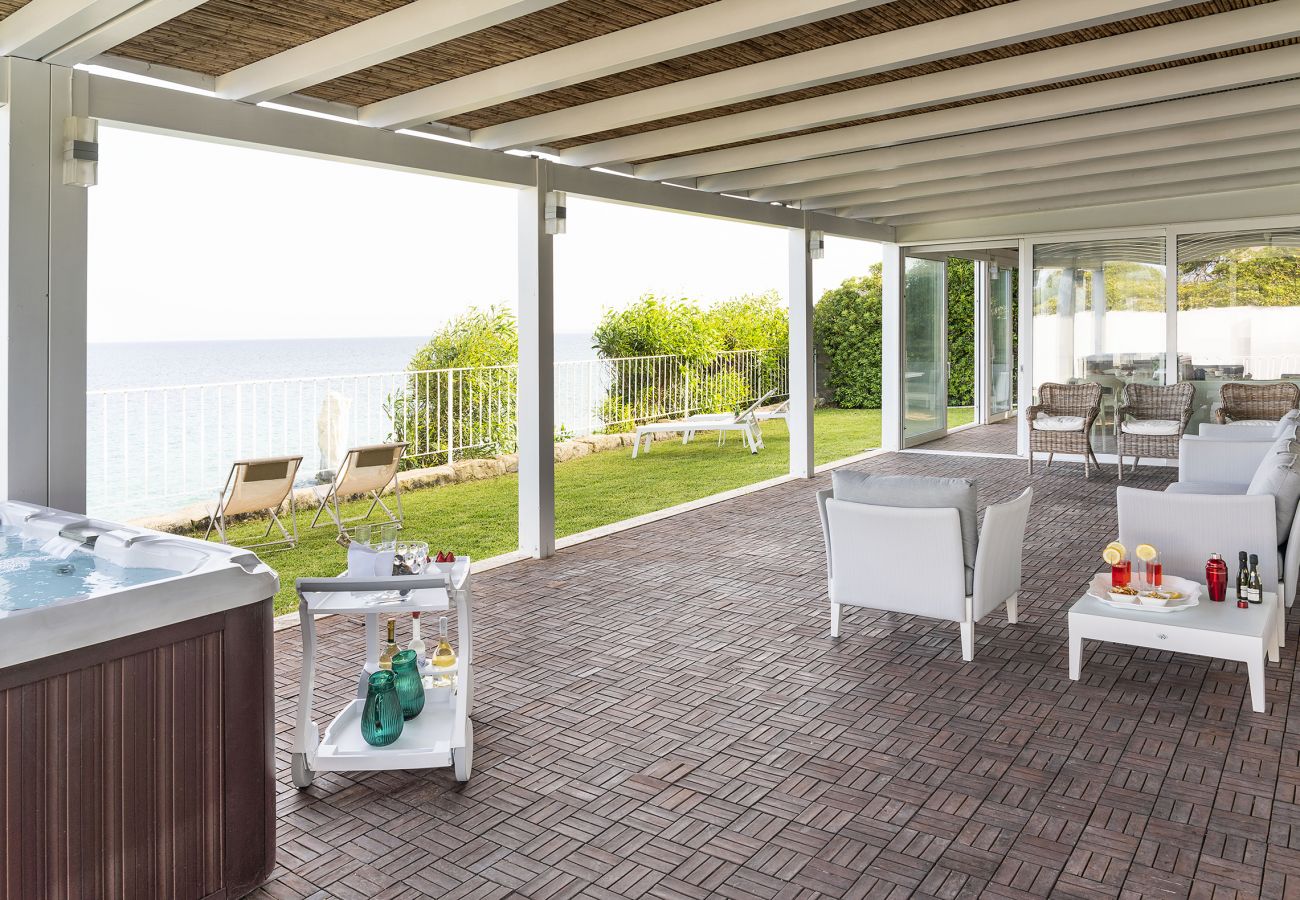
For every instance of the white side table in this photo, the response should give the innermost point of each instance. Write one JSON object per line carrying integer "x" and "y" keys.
{"x": 1219, "y": 630}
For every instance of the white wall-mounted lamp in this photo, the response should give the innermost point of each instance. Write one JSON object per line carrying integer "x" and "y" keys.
{"x": 993, "y": 270}
{"x": 816, "y": 244}
{"x": 80, "y": 151}
{"x": 556, "y": 212}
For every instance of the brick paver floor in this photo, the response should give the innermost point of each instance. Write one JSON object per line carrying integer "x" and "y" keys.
{"x": 661, "y": 714}
{"x": 999, "y": 437}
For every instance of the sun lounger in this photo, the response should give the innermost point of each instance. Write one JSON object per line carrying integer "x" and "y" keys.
{"x": 364, "y": 470}
{"x": 743, "y": 422}
{"x": 258, "y": 486}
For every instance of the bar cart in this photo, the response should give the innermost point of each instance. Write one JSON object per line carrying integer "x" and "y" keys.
{"x": 442, "y": 735}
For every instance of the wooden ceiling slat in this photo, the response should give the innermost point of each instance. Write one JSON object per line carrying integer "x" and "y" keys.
{"x": 1001, "y": 96}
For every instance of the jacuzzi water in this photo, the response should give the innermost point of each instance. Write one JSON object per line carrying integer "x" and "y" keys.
{"x": 35, "y": 574}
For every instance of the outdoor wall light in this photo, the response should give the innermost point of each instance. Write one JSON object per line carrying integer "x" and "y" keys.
{"x": 816, "y": 244}
{"x": 556, "y": 212}
{"x": 80, "y": 151}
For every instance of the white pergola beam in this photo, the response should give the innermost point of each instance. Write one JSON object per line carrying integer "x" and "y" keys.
{"x": 1217, "y": 183}
{"x": 791, "y": 180}
{"x": 830, "y": 192}
{"x": 1018, "y": 21}
{"x": 1016, "y": 170}
{"x": 118, "y": 29}
{"x": 43, "y": 26}
{"x": 1195, "y": 37}
{"x": 1131, "y": 90}
{"x": 692, "y": 31}
{"x": 416, "y": 26}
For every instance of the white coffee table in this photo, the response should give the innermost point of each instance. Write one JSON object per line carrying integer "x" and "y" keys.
{"x": 1219, "y": 630}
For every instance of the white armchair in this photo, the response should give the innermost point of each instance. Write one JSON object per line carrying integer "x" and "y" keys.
{"x": 1208, "y": 510}
{"x": 910, "y": 560}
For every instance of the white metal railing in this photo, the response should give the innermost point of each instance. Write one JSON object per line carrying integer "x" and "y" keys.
{"x": 152, "y": 449}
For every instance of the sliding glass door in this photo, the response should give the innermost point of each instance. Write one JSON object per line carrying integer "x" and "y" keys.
{"x": 999, "y": 345}
{"x": 925, "y": 360}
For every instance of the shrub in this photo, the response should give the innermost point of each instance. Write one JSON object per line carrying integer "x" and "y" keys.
{"x": 481, "y": 342}
{"x": 846, "y": 331}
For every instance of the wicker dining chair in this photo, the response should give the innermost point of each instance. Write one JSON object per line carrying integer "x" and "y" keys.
{"x": 1067, "y": 411}
{"x": 1151, "y": 420}
{"x": 1244, "y": 401}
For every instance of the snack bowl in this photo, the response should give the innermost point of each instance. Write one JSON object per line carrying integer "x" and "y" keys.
{"x": 1124, "y": 595}
{"x": 1153, "y": 598}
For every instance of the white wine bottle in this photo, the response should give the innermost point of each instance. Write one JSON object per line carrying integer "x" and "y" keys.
{"x": 417, "y": 642}
{"x": 390, "y": 649}
{"x": 444, "y": 657}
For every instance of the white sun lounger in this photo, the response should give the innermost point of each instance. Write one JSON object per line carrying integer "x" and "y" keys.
{"x": 743, "y": 422}
{"x": 258, "y": 486}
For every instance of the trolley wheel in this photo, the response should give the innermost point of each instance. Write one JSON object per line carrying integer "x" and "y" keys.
{"x": 302, "y": 773}
{"x": 463, "y": 758}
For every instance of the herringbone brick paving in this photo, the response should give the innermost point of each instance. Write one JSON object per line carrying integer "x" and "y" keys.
{"x": 661, "y": 714}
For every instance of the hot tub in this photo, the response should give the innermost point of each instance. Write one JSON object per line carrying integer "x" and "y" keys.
{"x": 136, "y": 711}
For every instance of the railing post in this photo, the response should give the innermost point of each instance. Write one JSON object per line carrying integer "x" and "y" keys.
{"x": 239, "y": 421}
{"x": 451, "y": 418}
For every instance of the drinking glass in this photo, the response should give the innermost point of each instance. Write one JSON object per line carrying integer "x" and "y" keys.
{"x": 1155, "y": 572}
{"x": 1121, "y": 573}
{"x": 388, "y": 535}
{"x": 362, "y": 535}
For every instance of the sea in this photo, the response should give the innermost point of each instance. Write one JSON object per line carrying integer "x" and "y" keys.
{"x": 158, "y": 443}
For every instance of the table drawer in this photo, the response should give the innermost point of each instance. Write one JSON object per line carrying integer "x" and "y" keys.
{"x": 1171, "y": 637}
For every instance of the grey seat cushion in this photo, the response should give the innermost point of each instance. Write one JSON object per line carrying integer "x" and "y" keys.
{"x": 918, "y": 492}
{"x": 1279, "y": 475}
{"x": 1205, "y": 487}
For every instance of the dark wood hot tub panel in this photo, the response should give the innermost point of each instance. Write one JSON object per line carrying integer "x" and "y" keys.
{"x": 141, "y": 767}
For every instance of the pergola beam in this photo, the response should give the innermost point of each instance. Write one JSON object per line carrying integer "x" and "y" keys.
{"x": 1131, "y": 90}
{"x": 1217, "y": 183}
{"x": 1018, "y": 21}
{"x": 692, "y": 31}
{"x": 41, "y": 27}
{"x": 149, "y": 108}
{"x": 831, "y": 192}
{"x": 117, "y": 30}
{"x": 785, "y": 181}
{"x": 1195, "y": 37}
{"x": 416, "y": 26}
{"x": 1017, "y": 170}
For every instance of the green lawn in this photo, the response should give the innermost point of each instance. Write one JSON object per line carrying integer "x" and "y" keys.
{"x": 480, "y": 517}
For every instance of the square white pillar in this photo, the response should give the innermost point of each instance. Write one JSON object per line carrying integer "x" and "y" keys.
{"x": 43, "y": 270}
{"x": 801, "y": 360}
{"x": 893, "y": 275}
{"x": 536, "y": 390}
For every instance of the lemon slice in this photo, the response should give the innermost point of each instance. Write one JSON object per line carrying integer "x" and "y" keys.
{"x": 1118, "y": 547}
{"x": 1111, "y": 555}
{"x": 1145, "y": 552}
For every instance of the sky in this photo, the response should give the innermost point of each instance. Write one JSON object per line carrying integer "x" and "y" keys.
{"x": 193, "y": 240}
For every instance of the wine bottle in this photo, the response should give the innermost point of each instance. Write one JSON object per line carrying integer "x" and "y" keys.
{"x": 390, "y": 649}
{"x": 1255, "y": 589}
{"x": 1243, "y": 575}
{"x": 417, "y": 642}
{"x": 443, "y": 656}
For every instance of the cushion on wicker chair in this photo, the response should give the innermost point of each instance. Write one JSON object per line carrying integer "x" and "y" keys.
{"x": 1151, "y": 426}
{"x": 1258, "y": 423}
{"x": 1044, "y": 422}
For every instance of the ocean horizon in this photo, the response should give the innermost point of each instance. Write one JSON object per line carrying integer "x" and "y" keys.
{"x": 139, "y": 364}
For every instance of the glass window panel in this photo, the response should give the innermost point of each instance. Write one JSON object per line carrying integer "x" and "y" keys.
{"x": 1099, "y": 316}
{"x": 925, "y": 379}
{"x": 1238, "y": 311}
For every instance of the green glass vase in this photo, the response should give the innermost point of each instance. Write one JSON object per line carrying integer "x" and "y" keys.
{"x": 381, "y": 717}
{"x": 410, "y": 687}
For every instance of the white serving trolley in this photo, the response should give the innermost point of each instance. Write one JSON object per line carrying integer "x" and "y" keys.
{"x": 442, "y": 734}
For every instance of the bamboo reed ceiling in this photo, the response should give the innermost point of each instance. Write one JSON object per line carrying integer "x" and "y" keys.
{"x": 1092, "y": 79}
{"x": 482, "y": 118}
{"x": 10, "y": 6}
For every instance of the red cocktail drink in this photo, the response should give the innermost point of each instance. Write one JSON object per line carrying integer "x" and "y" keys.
{"x": 1121, "y": 573}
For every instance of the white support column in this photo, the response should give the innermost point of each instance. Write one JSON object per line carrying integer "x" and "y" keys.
{"x": 982, "y": 345}
{"x": 801, "y": 365}
{"x": 891, "y": 339}
{"x": 43, "y": 403}
{"x": 536, "y": 398}
{"x": 1025, "y": 346}
{"x": 1172, "y": 373}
